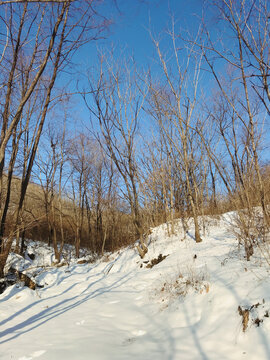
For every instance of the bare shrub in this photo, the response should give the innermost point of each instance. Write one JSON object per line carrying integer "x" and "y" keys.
{"x": 184, "y": 282}
{"x": 245, "y": 317}
{"x": 252, "y": 232}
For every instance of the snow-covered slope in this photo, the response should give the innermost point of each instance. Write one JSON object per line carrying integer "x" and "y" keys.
{"x": 184, "y": 307}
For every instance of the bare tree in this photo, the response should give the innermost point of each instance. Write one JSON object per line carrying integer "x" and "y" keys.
{"x": 47, "y": 36}
{"x": 118, "y": 103}
{"x": 239, "y": 63}
{"x": 49, "y": 166}
{"x": 174, "y": 104}
{"x": 79, "y": 158}
{"x": 248, "y": 57}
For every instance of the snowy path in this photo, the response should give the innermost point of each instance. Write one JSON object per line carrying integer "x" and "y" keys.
{"x": 86, "y": 314}
{"x": 116, "y": 310}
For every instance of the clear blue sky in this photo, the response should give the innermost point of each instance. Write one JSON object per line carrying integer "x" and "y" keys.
{"x": 132, "y": 20}
{"x": 135, "y": 17}
{"x": 129, "y": 32}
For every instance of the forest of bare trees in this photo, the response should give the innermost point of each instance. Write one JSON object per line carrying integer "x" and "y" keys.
{"x": 186, "y": 140}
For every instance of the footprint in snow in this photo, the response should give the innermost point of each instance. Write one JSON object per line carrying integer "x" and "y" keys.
{"x": 129, "y": 341}
{"x": 113, "y": 302}
{"x": 38, "y": 353}
{"x": 138, "y": 332}
{"x": 139, "y": 301}
{"x": 106, "y": 315}
{"x": 80, "y": 322}
{"x": 140, "y": 287}
{"x": 35, "y": 354}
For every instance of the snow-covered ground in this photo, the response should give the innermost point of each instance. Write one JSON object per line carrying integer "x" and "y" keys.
{"x": 184, "y": 307}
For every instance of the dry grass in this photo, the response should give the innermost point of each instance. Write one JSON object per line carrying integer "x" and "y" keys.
{"x": 183, "y": 282}
{"x": 116, "y": 224}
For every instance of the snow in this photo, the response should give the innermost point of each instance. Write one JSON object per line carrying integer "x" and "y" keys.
{"x": 184, "y": 307}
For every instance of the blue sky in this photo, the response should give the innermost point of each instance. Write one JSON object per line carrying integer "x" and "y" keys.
{"x": 131, "y": 21}
{"x": 129, "y": 32}
{"x": 135, "y": 18}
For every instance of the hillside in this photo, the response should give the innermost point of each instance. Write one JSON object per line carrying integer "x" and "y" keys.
{"x": 188, "y": 303}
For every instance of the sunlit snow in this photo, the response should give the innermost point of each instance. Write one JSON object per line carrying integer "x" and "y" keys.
{"x": 185, "y": 307}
